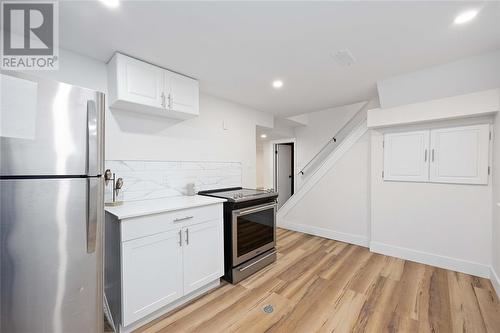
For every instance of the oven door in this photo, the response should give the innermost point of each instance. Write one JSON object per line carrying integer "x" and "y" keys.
{"x": 254, "y": 231}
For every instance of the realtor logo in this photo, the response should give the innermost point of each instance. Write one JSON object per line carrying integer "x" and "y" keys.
{"x": 29, "y": 35}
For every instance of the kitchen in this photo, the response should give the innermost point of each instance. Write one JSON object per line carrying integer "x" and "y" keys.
{"x": 156, "y": 161}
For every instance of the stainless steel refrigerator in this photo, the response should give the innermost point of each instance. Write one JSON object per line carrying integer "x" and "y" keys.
{"x": 51, "y": 162}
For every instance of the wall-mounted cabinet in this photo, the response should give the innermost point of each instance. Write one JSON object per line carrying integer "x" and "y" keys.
{"x": 447, "y": 155}
{"x": 138, "y": 86}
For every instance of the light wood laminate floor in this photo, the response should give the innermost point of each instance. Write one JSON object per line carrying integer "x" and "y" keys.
{"x": 321, "y": 285}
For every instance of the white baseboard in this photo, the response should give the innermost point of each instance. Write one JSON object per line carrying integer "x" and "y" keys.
{"x": 432, "y": 259}
{"x": 326, "y": 233}
{"x": 495, "y": 280}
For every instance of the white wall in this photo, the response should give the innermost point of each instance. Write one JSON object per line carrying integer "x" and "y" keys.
{"x": 259, "y": 165}
{"x": 322, "y": 126}
{"x": 448, "y": 225}
{"x": 454, "y": 227}
{"x": 467, "y": 75}
{"x": 338, "y": 205}
{"x": 198, "y": 139}
{"x": 495, "y": 276}
{"x": 466, "y": 105}
{"x": 131, "y": 136}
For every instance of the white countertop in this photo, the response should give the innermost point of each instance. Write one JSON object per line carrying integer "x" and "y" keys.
{"x": 154, "y": 206}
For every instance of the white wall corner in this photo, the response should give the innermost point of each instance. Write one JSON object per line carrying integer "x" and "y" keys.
{"x": 300, "y": 120}
{"x": 495, "y": 280}
{"x": 456, "y": 107}
{"x": 454, "y": 264}
{"x": 360, "y": 240}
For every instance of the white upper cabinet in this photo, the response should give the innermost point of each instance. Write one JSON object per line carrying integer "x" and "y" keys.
{"x": 406, "y": 156}
{"x": 446, "y": 155}
{"x": 140, "y": 83}
{"x": 460, "y": 155}
{"x": 183, "y": 93}
{"x": 138, "y": 86}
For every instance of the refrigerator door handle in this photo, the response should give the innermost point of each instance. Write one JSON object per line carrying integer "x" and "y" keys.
{"x": 94, "y": 193}
{"x": 92, "y": 167}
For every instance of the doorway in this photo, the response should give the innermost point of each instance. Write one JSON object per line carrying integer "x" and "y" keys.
{"x": 284, "y": 171}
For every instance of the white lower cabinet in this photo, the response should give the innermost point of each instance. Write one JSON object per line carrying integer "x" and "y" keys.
{"x": 151, "y": 274}
{"x": 161, "y": 268}
{"x": 202, "y": 258}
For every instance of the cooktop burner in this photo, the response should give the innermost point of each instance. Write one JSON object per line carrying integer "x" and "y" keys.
{"x": 238, "y": 194}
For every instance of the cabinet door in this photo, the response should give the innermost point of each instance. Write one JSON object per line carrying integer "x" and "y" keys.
{"x": 141, "y": 82}
{"x": 406, "y": 156}
{"x": 203, "y": 254}
{"x": 460, "y": 154}
{"x": 184, "y": 93}
{"x": 152, "y": 274}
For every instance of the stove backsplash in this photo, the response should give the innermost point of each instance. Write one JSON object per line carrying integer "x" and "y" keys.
{"x": 160, "y": 179}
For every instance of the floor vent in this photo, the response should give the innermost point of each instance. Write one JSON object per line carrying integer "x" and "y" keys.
{"x": 268, "y": 308}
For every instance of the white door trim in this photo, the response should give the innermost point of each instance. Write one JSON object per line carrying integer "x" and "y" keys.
{"x": 281, "y": 141}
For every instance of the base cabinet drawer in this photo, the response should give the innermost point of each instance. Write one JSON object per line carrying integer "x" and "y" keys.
{"x": 152, "y": 274}
{"x": 137, "y": 227}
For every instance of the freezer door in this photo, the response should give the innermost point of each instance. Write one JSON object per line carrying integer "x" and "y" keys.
{"x": 50, "y": 281}
{"x": 49, "y": 127}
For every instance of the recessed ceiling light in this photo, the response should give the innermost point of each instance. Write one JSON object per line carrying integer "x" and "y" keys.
{"x": 277, "y": 84}
{"x": 263, "y": 136}
{"x": 465, "y": 16}
{"x": 111, "y": 3}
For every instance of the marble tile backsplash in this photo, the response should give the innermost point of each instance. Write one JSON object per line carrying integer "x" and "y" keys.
{"x": 160, "y": 179}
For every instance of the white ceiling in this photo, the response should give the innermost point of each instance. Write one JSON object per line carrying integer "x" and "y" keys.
{"x": 236, "y": 49}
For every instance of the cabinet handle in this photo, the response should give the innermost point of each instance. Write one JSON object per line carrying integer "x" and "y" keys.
{"x": 180, "y": 219}
{"x": 433, "y": 155}
{"x": 180, "y": 238}
{"x": 170, "y": 99}
{"x": 163, "y": 100}
{"x": 187, "y": 236}
{"x": 425, "y": 156}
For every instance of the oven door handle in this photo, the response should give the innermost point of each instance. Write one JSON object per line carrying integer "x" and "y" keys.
{"x": 256, "y": 261}
{"x": 255, "y": 209}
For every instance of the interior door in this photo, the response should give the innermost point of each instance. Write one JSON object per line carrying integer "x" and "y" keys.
{"x": 50, "y": 281}
{"x": 460, "y": 154}
{"x": 183, "y": 93}
{"x": 43, "y": 126}
{"x": 152, "y": 273}
{"x": 143, "y": 83}
{"x": 406, "y": 156}
{"x": 284, "y": 165}
{"x": 203, "y": 255}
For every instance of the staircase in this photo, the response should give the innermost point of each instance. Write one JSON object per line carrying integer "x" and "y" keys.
{"x": 325, "y": 160}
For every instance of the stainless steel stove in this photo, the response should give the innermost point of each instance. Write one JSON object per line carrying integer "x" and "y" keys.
{"x": 249, "y": 230}
{"x": 239, "y": 194}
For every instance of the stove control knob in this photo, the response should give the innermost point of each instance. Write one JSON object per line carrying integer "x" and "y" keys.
{"x": 235, "y": 196}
